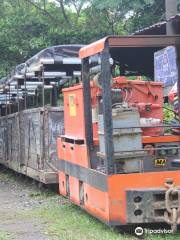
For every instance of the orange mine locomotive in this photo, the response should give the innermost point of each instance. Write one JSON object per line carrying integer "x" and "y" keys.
{"x": 117, "y": 158}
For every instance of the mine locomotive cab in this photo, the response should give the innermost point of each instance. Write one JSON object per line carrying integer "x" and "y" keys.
{"x": 116, "y": 160}
{"x": 132, "y": 57}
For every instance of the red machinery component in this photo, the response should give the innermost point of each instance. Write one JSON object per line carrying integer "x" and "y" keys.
{"x": 173, "y": 93}
{"x": 173, "y": 99}
{"x": 147, "y": 97}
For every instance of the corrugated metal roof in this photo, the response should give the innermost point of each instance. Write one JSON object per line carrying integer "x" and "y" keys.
{"x": 175, "y": 18}
{"x": 158, "y": 28}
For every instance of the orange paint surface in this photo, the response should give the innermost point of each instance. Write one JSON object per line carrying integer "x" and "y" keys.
{"x": 96, "y": 202}
{"x": 161, "y": 139}
{"x": 73, "y": 153}
{"x": 74, "y": 190}
{"x": 92, "y": 48}
{"x": 118, "y": 184}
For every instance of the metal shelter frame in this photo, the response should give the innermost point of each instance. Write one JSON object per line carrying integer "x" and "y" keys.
{"x": 103, "y": 47}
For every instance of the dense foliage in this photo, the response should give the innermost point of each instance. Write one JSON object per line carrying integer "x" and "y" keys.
{"x": 26, "y": 26}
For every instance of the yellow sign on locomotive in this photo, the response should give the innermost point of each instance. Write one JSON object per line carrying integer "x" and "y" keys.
{"x": 160, "y": 162}
{"x": 72, "y": 105}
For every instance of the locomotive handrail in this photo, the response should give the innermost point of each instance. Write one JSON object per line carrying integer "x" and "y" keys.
{"x": 166, "y": 148}
{"x": 152, "y": 126}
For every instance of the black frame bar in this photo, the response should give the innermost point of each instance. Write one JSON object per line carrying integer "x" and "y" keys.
{"x": 178, "y": 80}
{"x": 107, "y": 109}
{"x": 87, "y": 107}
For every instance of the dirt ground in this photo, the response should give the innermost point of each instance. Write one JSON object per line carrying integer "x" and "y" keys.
{"x": 16, "y": 201}
{"x": 32, "y": 212}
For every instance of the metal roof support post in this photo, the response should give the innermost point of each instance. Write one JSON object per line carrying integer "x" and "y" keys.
{"x": 36, "y": 99}
{"x": 6, "y": 106}
{"x": 43, "y": 89}
{"x": 87, "y": 106}
{"x": 33, "y": 100}
{"x": 107, "y": 109}
{"x": 178, "y": 79}
{"x": 171, "y": 10}
{"x": 25, "y": 78}
{"x": 9, "y": 99}
{"x": 51, "y": 97}
{"x": 18, "y": 94}
{"x": 55, "y": 95}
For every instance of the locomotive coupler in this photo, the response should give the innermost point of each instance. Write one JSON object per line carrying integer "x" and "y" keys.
{"x": 172, "y": 214}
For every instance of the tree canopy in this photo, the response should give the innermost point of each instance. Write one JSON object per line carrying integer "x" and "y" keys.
{"x": 27, "y": 26}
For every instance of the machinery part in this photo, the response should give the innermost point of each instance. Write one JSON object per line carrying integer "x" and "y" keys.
{"x": 172, "y": 214}
{"x": 124, "y": 140}
{"x": 148, "y": 98}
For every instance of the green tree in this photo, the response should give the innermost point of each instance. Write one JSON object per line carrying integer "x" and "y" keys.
{"x": 27, "y": 26}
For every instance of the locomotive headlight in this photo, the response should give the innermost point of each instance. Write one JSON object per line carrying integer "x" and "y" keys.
{"x": 162, "y": 152}
{"x": 170, "y": 151}
{"x": 174, "y": 152}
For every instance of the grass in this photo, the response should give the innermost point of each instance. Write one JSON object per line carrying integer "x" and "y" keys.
{"x": 163, "y": 237}
{"x": 41, "y": 193}
{"x": 66, "y": 221}
{"x": 5, "y": 235}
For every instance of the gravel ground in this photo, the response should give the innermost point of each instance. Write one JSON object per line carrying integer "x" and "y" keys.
{"x": 18, "y": 196}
